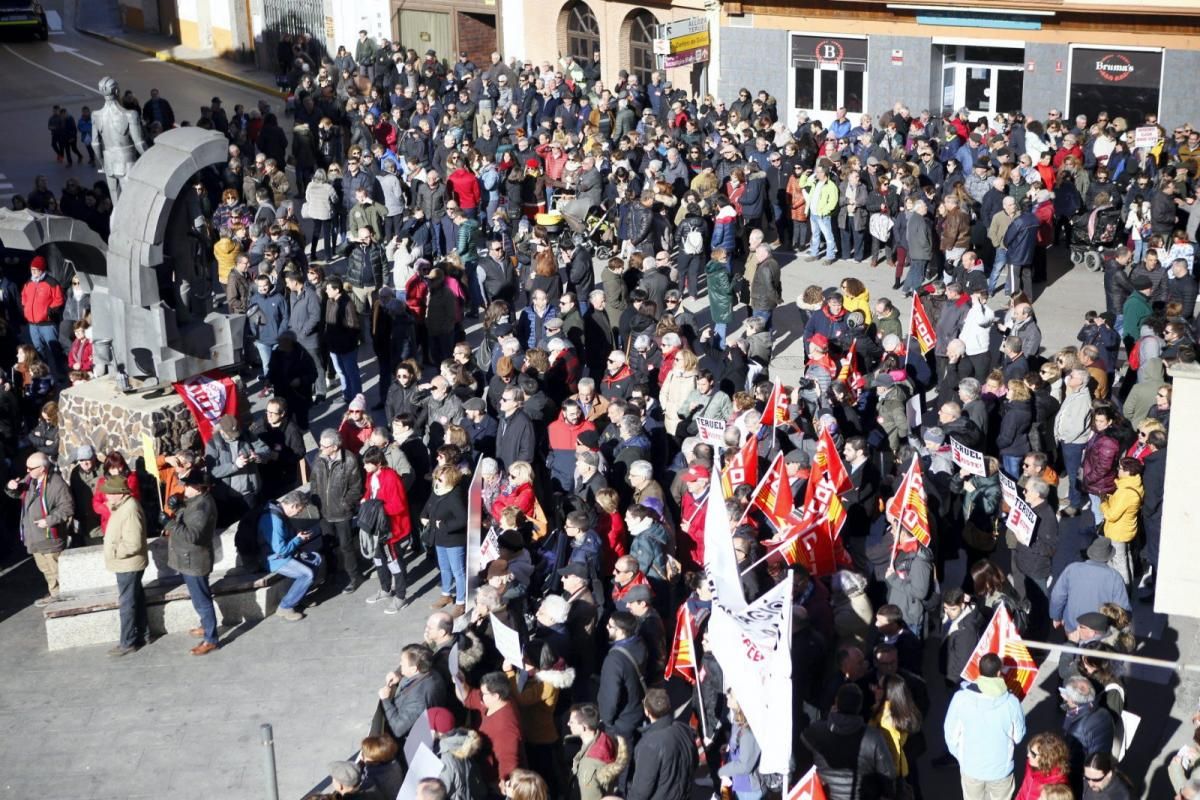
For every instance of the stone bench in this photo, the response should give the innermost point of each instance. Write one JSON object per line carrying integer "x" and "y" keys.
{"x": 81, "y": 569}
{"x": 93, "y": 616}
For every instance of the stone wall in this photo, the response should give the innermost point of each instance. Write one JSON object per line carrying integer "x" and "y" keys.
{"x": 94, "y": 412}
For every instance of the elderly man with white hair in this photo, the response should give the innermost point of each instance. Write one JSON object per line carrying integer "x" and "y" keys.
{"x": 46, "y": 508}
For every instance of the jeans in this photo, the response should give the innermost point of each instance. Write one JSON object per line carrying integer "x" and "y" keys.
{"x": 1012, "y": 464}
{"x": 135, "y": 626}
{"x": 719, "y": 329}
{"x": 302, "y": 578}
{"x": 264, "y": 356}
{"x": 452, "y": 564}
{"x": 822, "y": 228}
{"x": 346, "y": 366}
{"x": 1094, "y": 502}
{"x": 202, "y": 601}
{"x": 916, "y": 275}
{"x": 1072, "y": 460}
{"x": 975, "y": 789}
{"x": 765, "y": 316}
{"x": 998, "y": 266}
{"x": 44, "y": 338}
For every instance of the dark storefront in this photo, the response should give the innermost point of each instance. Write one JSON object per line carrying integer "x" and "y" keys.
{"x": 1125, "y": 83}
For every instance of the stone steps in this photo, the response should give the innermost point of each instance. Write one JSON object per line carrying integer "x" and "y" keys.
{"x": 81, "y": 569}
{"x": 92, "y": 616}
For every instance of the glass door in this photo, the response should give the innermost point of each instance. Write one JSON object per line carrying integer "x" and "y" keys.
{"x": 982, "y": 88}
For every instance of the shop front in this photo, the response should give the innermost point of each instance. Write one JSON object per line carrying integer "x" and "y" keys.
{"x": 828, "y": 73}
{"x": 1124, "y": 81}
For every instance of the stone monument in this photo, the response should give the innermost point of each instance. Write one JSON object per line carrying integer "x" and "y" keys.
{"x": 152, "y": 315}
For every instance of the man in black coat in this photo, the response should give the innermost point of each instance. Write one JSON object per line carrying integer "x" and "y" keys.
{"x": 515, "y": 436}
{"x": 622, "y": 685}
{"x": 852, "y": 757}
{"x": 665, "y": 760}
{"x": 962, "y": 625}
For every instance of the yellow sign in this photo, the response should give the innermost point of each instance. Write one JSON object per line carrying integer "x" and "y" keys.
{"x": 690, "y": 42}
{"x": 150, "y": 457}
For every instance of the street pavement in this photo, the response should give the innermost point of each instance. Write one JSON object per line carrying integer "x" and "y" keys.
{"x": 76, "y": 724}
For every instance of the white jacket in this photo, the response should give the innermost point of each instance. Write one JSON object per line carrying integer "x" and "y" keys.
{"x": 976, "y": 329}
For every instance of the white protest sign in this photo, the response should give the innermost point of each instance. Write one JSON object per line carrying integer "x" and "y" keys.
{"x": 1008, "y": 490}
{"x": 419, "y": 734}
{"x": 508, "y": 642}
{"x": 1145, "y": 136}
{"x": 1021, "y": 521}
{"x": 424, "y": 765}
{"x": 711, "y": 431}
{"x": 968, "y": 460}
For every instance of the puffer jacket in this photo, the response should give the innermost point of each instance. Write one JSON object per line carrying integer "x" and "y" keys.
{"x": 337, "y": 486}
{"x": 125, "y": 538}
{"x": 319, "y": 199}
{"x": 190, "y": 546}
{"x": 641, "y": 228}
{"x": 1013, "y": 438}
{"x": 536, "y": 703}
{"x": 852, "y": 759}
{"x": 1120, "y": 509}
{"x": 367, "y": 266}
{"x": 597, "y": 766}
{"x": 462, "y": 773}
{"x": 1100, "y": 458}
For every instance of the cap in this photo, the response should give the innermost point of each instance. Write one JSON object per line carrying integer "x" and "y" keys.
{"x": 575, "y": 568}
{"x": 114, "y": 484}
{"x": 359, "y": 403}
{"x": 1141, "y": 283}
{"x": 935, "y": 435}
{"x": 498, "y": 569}
{"x": 872, "y": 161}
{"x": 345, "y": 772}
{"x": 696, "y": 472}
{"x": 1094, "y": 620}
{"x": 589, "y": 439}
{"x": 820, "y": 340}
{"x": 85, "y": 452}
{"x": 474, "y": 404}
{"x": 440, "y": 719}
{"x": 1100, "y": 549}
{"x": 553, "y": 322}
{"x": 639, "y": 593}
{"x": 38, "y": 262}
{"x": 531, "y": 163}
{"x": 228, "y": 424}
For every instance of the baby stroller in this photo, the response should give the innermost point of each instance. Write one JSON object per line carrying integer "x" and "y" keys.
{"x": 1093, "y": 232}
{"x": 600, "y": 228}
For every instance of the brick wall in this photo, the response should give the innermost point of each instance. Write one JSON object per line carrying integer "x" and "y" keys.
{"x": 477, "y": 36}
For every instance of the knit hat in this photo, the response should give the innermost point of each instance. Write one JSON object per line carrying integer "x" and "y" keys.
{"x": 1095, "y": 620}
{"x": 359, "y": 403}
{"x": 38, "y": 262}
{"x": 346, "y": 773}
{"x": 85, "y": 453}
{"x": 1141, "y": 283}
{"x": 440, "y": 719}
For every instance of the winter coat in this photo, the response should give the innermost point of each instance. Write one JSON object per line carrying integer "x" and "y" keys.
{"x": 919, "y": 237}
{"x": 856, "y": 220}
{"x": 622, "y": 686}
{"x": 766, "y": 289}
{"x": 1088, "y": 729}
{"x": 1100, "y": 458}
{"x": 981, "y": 732}
{"x": 596, "y": 767}
{"x": 720, "y": 292}
{"x": 537, "y": 701}
{"x": 1072, "y": 423}
{"x": 1013, "y": 438}
{"x": 1020, "y": 240}
{"x": 190, "y": 546}
{"x": 304, "y": 317}
{"x": 385, "y": 485}
{"x": 959, "y": 638}
{"x": 447, "y": 515}
{"x": 912, "y": 587}
{"x": 1136, "y": 310}
{"x": 1036, "y": 558}
{"x": 650, "y": 549}
{"x": 267, "y": 317}
{"x": 516, "y": 439}
{"x": 744, "y": 755}
{"x": 676, "y": 387}
{"x": 1035, "y": 779}
{"x": 665, "y": 761}
{"x": 337, "y": 486}
{"x": 1120, "y": 509}
{"x": 49, "y": 500}
{"x": 125, "y": 538}
{"x": 1082, "y": 588}
{"x": 462, "y": 774}
{"x": 852, "y": 759}
{"x": 319, "y": 200}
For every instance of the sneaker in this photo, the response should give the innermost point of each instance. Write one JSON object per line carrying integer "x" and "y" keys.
{"x": 289, "y": 614}
{"x": 375, "y": 598}
{"x": 442, "y": 601}
{"x": 395, "y": 606}
{"x": 352, "y": 586}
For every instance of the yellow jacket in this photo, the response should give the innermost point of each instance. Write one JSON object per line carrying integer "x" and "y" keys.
{"x": 226, "y": 252}
{"x": 1120, "y": 509}
{"x": 894, "y": 737}
{"x": 858, "y": 302}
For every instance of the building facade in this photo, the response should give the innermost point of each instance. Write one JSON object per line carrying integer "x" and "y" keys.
{"x": 989, "y": 56}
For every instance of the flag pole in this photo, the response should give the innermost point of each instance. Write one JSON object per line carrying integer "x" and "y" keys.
{"x": 779, "y": 546}
{"x": 912, "y": 310}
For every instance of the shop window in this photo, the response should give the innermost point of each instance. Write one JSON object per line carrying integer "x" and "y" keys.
{"x": 583, "y": 31}
{"x": 1125, "y": 83}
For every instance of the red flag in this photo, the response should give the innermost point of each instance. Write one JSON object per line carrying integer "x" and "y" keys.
{"x": 826, "y": 481}
{"x": 849, "y": 373}
{"x": 209, "y": 397}
{"x": 809, "y": 543}
{"x": 908, "y": 505}
{"x": 742, "y": 469}
{"x": 776, "y": 411}
{"x": 773, "y": 497}
{"x": 920, "y": 327}
{"x": 683, "y": 662}
{"x": 1001, "y": 637}
{"x": 809, "y": 787}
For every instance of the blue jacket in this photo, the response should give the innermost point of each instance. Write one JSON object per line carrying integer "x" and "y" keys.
{"x": 981, "y": 732}
{"x": 725, "y": 234}
{"x": 1021, "y": 239}
{"x": 276, "y": 538}
{"x": 1082, "y": 588}
{"x": 753, "y": 197}
{"x": 267, "y": 317}
{"x": 1088, "y": 729}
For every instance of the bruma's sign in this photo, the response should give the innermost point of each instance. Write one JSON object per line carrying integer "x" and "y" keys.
{"x": 1114, "y": 67}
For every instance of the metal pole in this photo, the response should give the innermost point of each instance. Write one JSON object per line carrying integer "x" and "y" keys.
{"x": 1174, "y": 666}
{"x": 268, "y": 743}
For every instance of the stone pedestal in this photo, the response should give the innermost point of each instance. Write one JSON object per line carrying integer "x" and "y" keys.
{"x": 1177, "y": 584}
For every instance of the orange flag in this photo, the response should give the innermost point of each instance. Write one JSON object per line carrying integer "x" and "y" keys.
{"x": 908, "y": 505}
{"x": 809, "y": 787}
{"x": 1001, "y": 637}
{"x": 742, "y": 469}
{"x": 826, "y": 482}
{"x": 849, "y": 372}
{"x": 776, "y": 411}
{"x": 683, "y": 651}
{"x": 921, "y": 327}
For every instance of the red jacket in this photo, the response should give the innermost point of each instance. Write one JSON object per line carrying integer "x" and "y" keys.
{"x": 611, "y": 528}
{"x": 81, "y": 353}
{"x": 563, "y": 435}
{"x": 521, "y": 497}
{"x": 690, "y": 544}
{"x": 385, "y": 485}
{"x": 354, "y": 438}
{"x": 1045, "y": 214}
{"x": 101, "y": 507}
{"x": 385, "y": 134}
{"x": 1035, "y": 779}
{"x": 465, "y": 186}
{"x": 39, "y": 298}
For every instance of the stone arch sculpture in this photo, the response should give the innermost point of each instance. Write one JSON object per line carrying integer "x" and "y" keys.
{"x": 59, "y": 240}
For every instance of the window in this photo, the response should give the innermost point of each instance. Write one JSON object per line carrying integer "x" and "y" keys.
{"x": 641, "y": 46}
{"x": 583, "y": 32}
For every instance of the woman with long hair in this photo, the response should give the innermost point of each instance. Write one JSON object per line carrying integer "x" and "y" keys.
{"x": 897, "y": 719}
{"x": 115, "y": 466}
{"x": 1103, "y": 781}
{"x": 445, "y": 524}
{"x": 740, "y": 771}
{"x": 1048, "y": 764}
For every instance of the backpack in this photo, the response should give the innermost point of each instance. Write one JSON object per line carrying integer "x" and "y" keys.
{"x": 693, "y": 242}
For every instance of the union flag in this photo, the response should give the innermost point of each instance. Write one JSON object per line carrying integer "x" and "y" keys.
{"x": 1001, "y": 637}
{"x": 849, "y": 372}
{"x": 776, "y": 411}
{"x": 908, "y": 505}
{"x": 920, "y": 327}
{"x": 742, "y": 469}
{"x": 773, "y": 496}
{"x": 683, "y": 662}
{"x": 809, "y": 787}
{"x": 827, "y": 480}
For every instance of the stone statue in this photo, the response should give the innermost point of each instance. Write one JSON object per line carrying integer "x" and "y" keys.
{"x": 118, "y": 137}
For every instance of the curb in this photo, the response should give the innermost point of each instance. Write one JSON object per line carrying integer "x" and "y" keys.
{"x": 163, "y": 55}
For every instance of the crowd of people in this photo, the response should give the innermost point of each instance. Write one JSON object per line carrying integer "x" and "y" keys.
{"x": 614, "y": 254}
